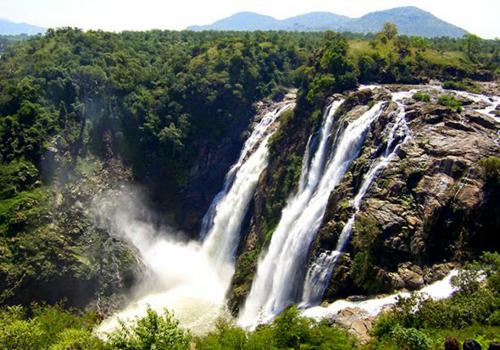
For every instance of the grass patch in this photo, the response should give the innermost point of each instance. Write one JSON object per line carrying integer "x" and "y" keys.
{"x": 422, "y": 97}
{"x": 451, "y": 102}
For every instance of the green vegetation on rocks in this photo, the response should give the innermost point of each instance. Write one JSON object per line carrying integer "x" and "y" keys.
{"x": 470, "y": 313}
{"x": 419, "y": 96}
{"x": 450, "y": 101}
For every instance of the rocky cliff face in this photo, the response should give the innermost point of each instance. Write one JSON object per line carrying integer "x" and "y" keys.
{"x": 431, "y": 207}
{"x": 432, "y": 204}
{"x": 214, "y": 158}
{"x": 63, "y": 254}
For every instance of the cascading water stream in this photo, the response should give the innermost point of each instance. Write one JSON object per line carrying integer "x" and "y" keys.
{"x": 255, "y": 138}
{"x": 276, "y": 284}
{"x": 319, "y": 273}
{"x": 230, "y": 205}
{"x": 369, "y": 308}
{"x": 191, "y": 279}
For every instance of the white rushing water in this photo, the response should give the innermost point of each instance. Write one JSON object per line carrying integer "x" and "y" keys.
{"x": 191, "y": 279}
{"x": 180, "y": 275}
{"x": 255, "y": 138}
{"x": 276, "y": 283}
{"x": 490, "y": 102}
{"x": 230, "y": 208}
{"x": 319, "y": 273}
{"x": 372, "y": 307}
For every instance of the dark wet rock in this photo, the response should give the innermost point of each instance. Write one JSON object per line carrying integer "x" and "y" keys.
{"x": 457, "y": 125}
{"x": 412, "y": 114}
{"x": 483, "y": 120}
{"x": 471, "y": 345}
{"x": 451, "y": 344}
{"x": 437, "y": 272}
{"x": 394, "y": 281}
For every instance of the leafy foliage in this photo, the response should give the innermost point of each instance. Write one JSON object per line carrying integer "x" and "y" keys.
{"x": 419, "y": 96}
{"x": 419, "y": 323}
{"x": 410, "y": 338}
{"x": 153, "y": 331}
{"x": 450, "y": 101}
{"x": 48, "y": 327}
{"x": 288, "y": 331}
{"x": 491, "y": 166}
{"x": 464, "y": 85}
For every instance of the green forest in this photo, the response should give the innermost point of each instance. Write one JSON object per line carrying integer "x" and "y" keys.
{"x": 143, "y": 107}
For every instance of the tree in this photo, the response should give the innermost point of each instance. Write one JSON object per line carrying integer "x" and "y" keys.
{"x": 153, "y": 331}
{"x": 390, "y": 30}
{"x": 472, "y": 46}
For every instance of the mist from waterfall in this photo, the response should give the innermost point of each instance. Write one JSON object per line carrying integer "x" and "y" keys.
{"x": 277, "y": 281}
{"x": 189, "y": 278}
{"x": 320, "y": 271}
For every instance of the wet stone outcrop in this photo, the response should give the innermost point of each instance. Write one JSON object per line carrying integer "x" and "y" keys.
{"x": 431, "y": 205}
{"x": 429, "y": 209}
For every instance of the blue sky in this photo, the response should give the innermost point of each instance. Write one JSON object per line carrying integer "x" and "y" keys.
{"x": 477, "y": 16}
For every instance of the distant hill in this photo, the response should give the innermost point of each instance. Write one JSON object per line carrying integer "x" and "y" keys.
{"x": 10, "y": 28}
{"x": 409, "y": 20}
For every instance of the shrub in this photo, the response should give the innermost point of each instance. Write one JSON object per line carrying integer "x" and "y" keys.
{"x": 454, "y": 85}
{"x": 49, "y": 327}
{"x": 288, "y": 331}
{"x": 419, "y": 96}
{"x": 15, "y": 177}
{"x": 491, "y": 167}
{"x": 76, "y": 339}
{"x": 153, "y": 331}
{"x": 494, "y": 318}
{"x": 225, "y": 336}
{"x": 410, "y": 338}
{"x": 363, "y": 273}
{"x": 465, "y": 85}
{"x": 291, "y": 330}
{"x": 450, "y": 101}
{"x": 20, "y": 334}
{"x": 384, "y": 325}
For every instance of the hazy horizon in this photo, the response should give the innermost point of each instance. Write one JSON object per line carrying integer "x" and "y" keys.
{"x": 478, "y": 17}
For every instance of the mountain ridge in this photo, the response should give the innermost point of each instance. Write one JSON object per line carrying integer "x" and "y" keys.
{"x": 410, "y": 20}
{"x": 8, "y": 27}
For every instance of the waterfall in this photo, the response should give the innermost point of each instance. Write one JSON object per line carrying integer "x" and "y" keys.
{"x": 255, "y": 138}
{"x": 276, "y": 283}
{"x": 319, "y": 273}
{"x": 191, "y": 278}
{"x": 226, "y": 213}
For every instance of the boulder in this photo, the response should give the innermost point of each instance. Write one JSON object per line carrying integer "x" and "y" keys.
{"x": 354, "y": 320}
{"x": 451, "y": 344}
{"x": 411, "y": 275}
{"x": 457, "y": 125}
{"x": 471, "y": 344}
{"x": 395, "y": 281}
{"x": 482, "y": 119}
